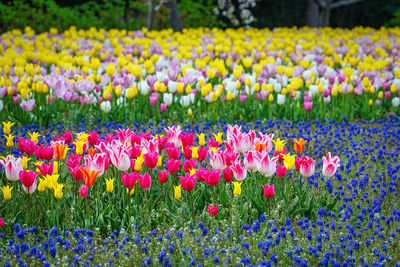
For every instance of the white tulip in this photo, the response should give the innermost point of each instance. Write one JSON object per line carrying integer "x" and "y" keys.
{"x": 168, "y": 98}
{"x": 327, "y": 99}
{"x": 1, "y": 105}
{"x": 143, "y": 87}
{"x": 171, "y": 86}
{"x": 185, "y": 100}
{"x": 106, "y": 106}
{"x": 281, "y": 99}
{"x": 395, "y": 102}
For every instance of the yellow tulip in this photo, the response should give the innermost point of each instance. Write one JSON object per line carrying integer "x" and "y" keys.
{"x": 159, "y": 161}
{"x": 110, "y": 185}
{"x": 218, "y": 137}
{"x": 34, "y": 137}
{"x": 279, "y": 144}
{"x": 58, "y": 193}
{"x": 237, "y": 189}
{"x": 10, "y": 140}
{"x": 6, "y": 192}
{"x": 289, "y": 161}
{"x": 131, "y": 192}
{"x": 24, "y": 162}
{"x": 79, "y": 146}
{"x": 202, "y": 139}
{"x": 42, "y": 185}
{"x": 178, "y": 191}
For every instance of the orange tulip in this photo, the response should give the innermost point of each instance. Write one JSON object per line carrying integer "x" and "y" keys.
{"x": 260, "y": 147}
{"x": 299, "y": 145}
{"x": 89, "y": 176}
{"x": 60, "y": 151}
{"x": 91, "y": 151}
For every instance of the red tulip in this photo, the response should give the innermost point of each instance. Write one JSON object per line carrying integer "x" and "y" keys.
{"x": 212, "y": 210}
{"x": 163, "y": 177}
{"x": 213, "y": 177}
{"x": 150, "y": 160}
{"x": 145, "y": 181}
{"x": 280, "y": 171}
{"x": 1, "y": 222}
{"x": 228, "y": 175}
{"x": 187, "y": 152}
{"x": 28, "y": 180}
{"x": 129, "y": 179}
{"x": 269, "y": 191}
{"x": 188, "y": 182}
{"x": 173, "y": 165}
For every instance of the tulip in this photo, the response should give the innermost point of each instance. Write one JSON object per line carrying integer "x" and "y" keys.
{"x": 7, "y": 127}
{"x": 6, "y": 192}
{"x": 279, "y": 144}
{"x": 218, "y": 137}
{"x": 26, "y": 146}
{"x": 289, "y": 161}
{"x": 93, "y": 139}
{"x": 58, "y": 191}
{"x": 239, "y": 170}
{"x": 305, "y": 166}
{"x": 269, "y": 191}
{"x": 178, "y": 191}
{"x": 213, "y": 177}
{"x": 212, "y": 210}
{"x": 83, "y": 191}
{"x": 120, "y": 158}
{"x": 2, "y": 222}
{"x": 44, "y": 153}
{"x": 217, "y": 160}
{"x": 188, "y": 182}
{"x": 280, "y": 171}
{"x": 80, "y": 146}
{"x": 12, "y": 167}
{"x": 173, "y": 152}
{"x": 228, "y": 175}
{"x": 110, "y": 185}
{"x": 202, "y": 154}
{"x": 299, "y": 145}
{"x": 330, "y": 165}
{"x": 89, "y": 176}
{"x": 28, "y": 180}
{"x": 163, "y": 177}
{"x": 45, "y": 169}
{"x": 202, "y": 140}
{"x": 99, "y": 162}
{"x": 250, "y": 161}
{"x": 187, "y": 139}
{"x": 76, "y": 172}
{"x": 67, "y": 136}
{"x": 237, "y": 189}
{"x": 42, "y": 185}
{"x": 145, "y": 181}
{"x": 129, "y": 179}
{"x": 51, "y": 181}
{"x": 187, "y": 152}
{"x": 10, "y": 140}
{"x": 173, "y": 166}
{"x": 60, "y": 151}
{"x": 189, "y": 165}
{"x": 265, "y": 164}
{"x": 150, "y": 160}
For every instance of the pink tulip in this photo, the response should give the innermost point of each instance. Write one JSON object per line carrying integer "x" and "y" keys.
{"x": 308, "y": 105}
{"x": 187, "y": 139}
{"x": 28, "y": 105}
{"x": 135, "y": 151}
{"x": 173, "y": 165}
{"x": 44, "y": 152}
{"x": 93, "y": 138}
{"x": 306, "y": 166}
{"x": 265, "y": 164}
{"x": 99, "y": 162}
{"x": 83, "y": 191}
{"x": 217, "y": 160}
{"x": 125, "y": 135}
{"x": 280, "y": 171}
{"x": 26, "y": 146}
{"x": 163, "y": 107}
{"x": 145, "y": 181}
{"x": 119, "y": 157}
{"x": 213, "y": 177}
{"x": 239, "y": 170}
{"x": 76, "y": 172}
{"x": 28, "y": 180}
{"x": 149, "y": 146}
{"x": 173, "y": 135}
{"x": 12, "y": 167}
{"x": 202, "y": 152}
{"x": 173, "y": 152}
{"x": 187, "y": 152}
{"x": 188, "y": 182}
{"x": 129, "y": 179}
{"x": 163, "y": 177}
{"x": 250, "y": 161}
{"x": 269, "y": 191}
{"x": 150, "y": 160}
{"x": 189, "y": 165}
{"x": 45, "y": 169}
{"x": 330, "y": 165}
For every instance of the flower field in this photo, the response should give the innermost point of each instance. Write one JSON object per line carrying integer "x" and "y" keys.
{"x": 206, "y": 147}
{"x": 205, "y": 74}
{"x": 259, "y": 193}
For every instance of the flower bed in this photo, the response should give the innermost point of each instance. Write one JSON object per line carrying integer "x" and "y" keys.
{"x": 259, "y": 193}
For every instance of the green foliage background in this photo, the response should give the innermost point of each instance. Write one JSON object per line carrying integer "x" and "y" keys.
{"x": 41, "y": 15}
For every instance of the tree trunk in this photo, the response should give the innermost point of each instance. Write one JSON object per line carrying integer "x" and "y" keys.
{"x": 150, "y": 15}
{"x": 176, "y": 22}
{"x": 312, "y": 16}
